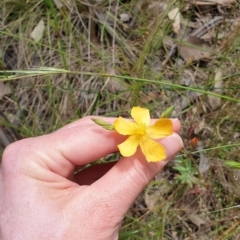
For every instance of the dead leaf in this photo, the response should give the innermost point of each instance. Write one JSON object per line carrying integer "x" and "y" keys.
{"x": 175, "y": 15}
{"x": 105, "y": 17}
{"x": 204, "y": 162}
{"x": 125, "y": 17}
{"x": 196, "y": 219}
{"x": 218, "y": 85}
{"x": 114, "y": 84}
{"x": 214, "y": 101}
{"x": 156, "y": 7}
{"x": 151, "y": 200}
{"x": 187, "y": 78}
{"x": 152, "y": 197}
{"x": 149, "y": 97}
{"x": 201, "y": 125}
{"x": 215, "y": 2}
{"x": 4, "y": 90}
{"x": 58, "y": 4}
{"x": 194, "y": 49}
{"x": 38, "y": 31}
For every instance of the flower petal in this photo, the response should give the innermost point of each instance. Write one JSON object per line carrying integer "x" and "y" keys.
{"x": 129, "y": 147}
{"x": 141, "y": 116}
{"x": 153, "y": 151}
{"x": 160, "y": 129}
{"x": 125, "y": 127}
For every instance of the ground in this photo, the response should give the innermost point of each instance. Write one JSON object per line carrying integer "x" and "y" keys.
{"x": 62, "y": 60}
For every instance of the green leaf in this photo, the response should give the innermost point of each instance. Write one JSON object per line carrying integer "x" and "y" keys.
{"x": 167, "y": 112}
{"x": 180, "y": 168}
{"x": 233, "y": 164}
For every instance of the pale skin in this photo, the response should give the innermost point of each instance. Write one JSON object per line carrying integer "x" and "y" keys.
{"x": 41, "y": 198}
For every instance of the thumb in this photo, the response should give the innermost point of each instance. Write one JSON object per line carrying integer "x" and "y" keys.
{"x": 126, "y": 179}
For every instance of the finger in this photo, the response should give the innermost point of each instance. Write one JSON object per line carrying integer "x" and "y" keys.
{"x": 88, "y": 120}
{"x": 126, "y": 180}
{"x": 62, "y": 150}
{"x": 86, "y": 143}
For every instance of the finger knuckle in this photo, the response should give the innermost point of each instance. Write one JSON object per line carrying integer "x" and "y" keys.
{"x": 12, "y": 153}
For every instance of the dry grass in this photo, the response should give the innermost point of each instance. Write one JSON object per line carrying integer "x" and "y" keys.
{"x": 89, "y": 62}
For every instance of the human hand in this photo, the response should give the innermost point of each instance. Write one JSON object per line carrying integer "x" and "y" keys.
{"x": 41, "y": 198}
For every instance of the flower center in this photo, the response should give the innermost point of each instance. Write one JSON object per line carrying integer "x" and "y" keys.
{"x": 142, "y": 130}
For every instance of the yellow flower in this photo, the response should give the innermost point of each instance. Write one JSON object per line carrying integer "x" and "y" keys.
{"x": 141, "y": 133}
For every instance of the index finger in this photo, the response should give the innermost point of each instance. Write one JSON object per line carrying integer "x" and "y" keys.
{"x": 88, "y": 120}
{"x": 78, "y": 143}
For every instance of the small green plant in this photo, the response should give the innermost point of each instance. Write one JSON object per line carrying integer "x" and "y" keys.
{"x": 186, "y": 171}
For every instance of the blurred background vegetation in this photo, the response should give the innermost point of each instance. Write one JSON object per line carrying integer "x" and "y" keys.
{"x": 61, "y": 60}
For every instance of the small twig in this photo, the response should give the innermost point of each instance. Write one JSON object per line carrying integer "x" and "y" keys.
{"x": 207, "y": 27}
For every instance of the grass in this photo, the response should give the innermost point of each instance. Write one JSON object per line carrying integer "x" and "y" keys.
{"x": 90, "y": 63}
